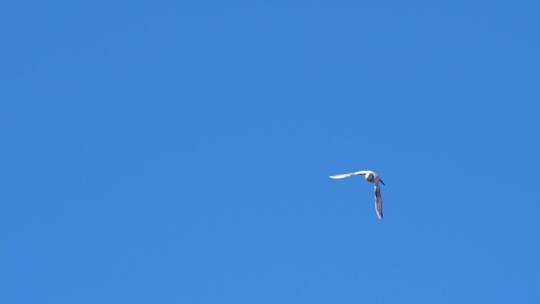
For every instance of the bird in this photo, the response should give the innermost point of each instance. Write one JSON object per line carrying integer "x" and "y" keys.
{"x": 373, "y": 178}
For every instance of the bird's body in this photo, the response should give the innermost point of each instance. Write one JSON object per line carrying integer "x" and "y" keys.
{"x": 370, "y": 177}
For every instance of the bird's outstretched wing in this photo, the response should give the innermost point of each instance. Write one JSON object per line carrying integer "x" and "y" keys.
{"x": 345, "y": 175}
{"x": 378, "y": 201}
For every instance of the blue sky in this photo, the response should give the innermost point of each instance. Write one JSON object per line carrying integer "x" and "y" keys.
{"x": 166, "y": 152}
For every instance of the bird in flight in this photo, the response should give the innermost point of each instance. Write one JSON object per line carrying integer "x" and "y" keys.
{"x": 373, "y": 178}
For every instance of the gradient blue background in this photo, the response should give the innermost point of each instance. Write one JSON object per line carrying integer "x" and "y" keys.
{"x": 167, "y": 152}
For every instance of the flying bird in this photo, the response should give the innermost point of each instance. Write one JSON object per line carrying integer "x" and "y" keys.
{"x": 373, "y": 178}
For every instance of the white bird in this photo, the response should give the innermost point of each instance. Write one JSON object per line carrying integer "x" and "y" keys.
{"x": 373, "y": 178}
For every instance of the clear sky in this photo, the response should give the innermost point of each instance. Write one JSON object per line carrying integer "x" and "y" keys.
{"x": 166, "y": 152}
